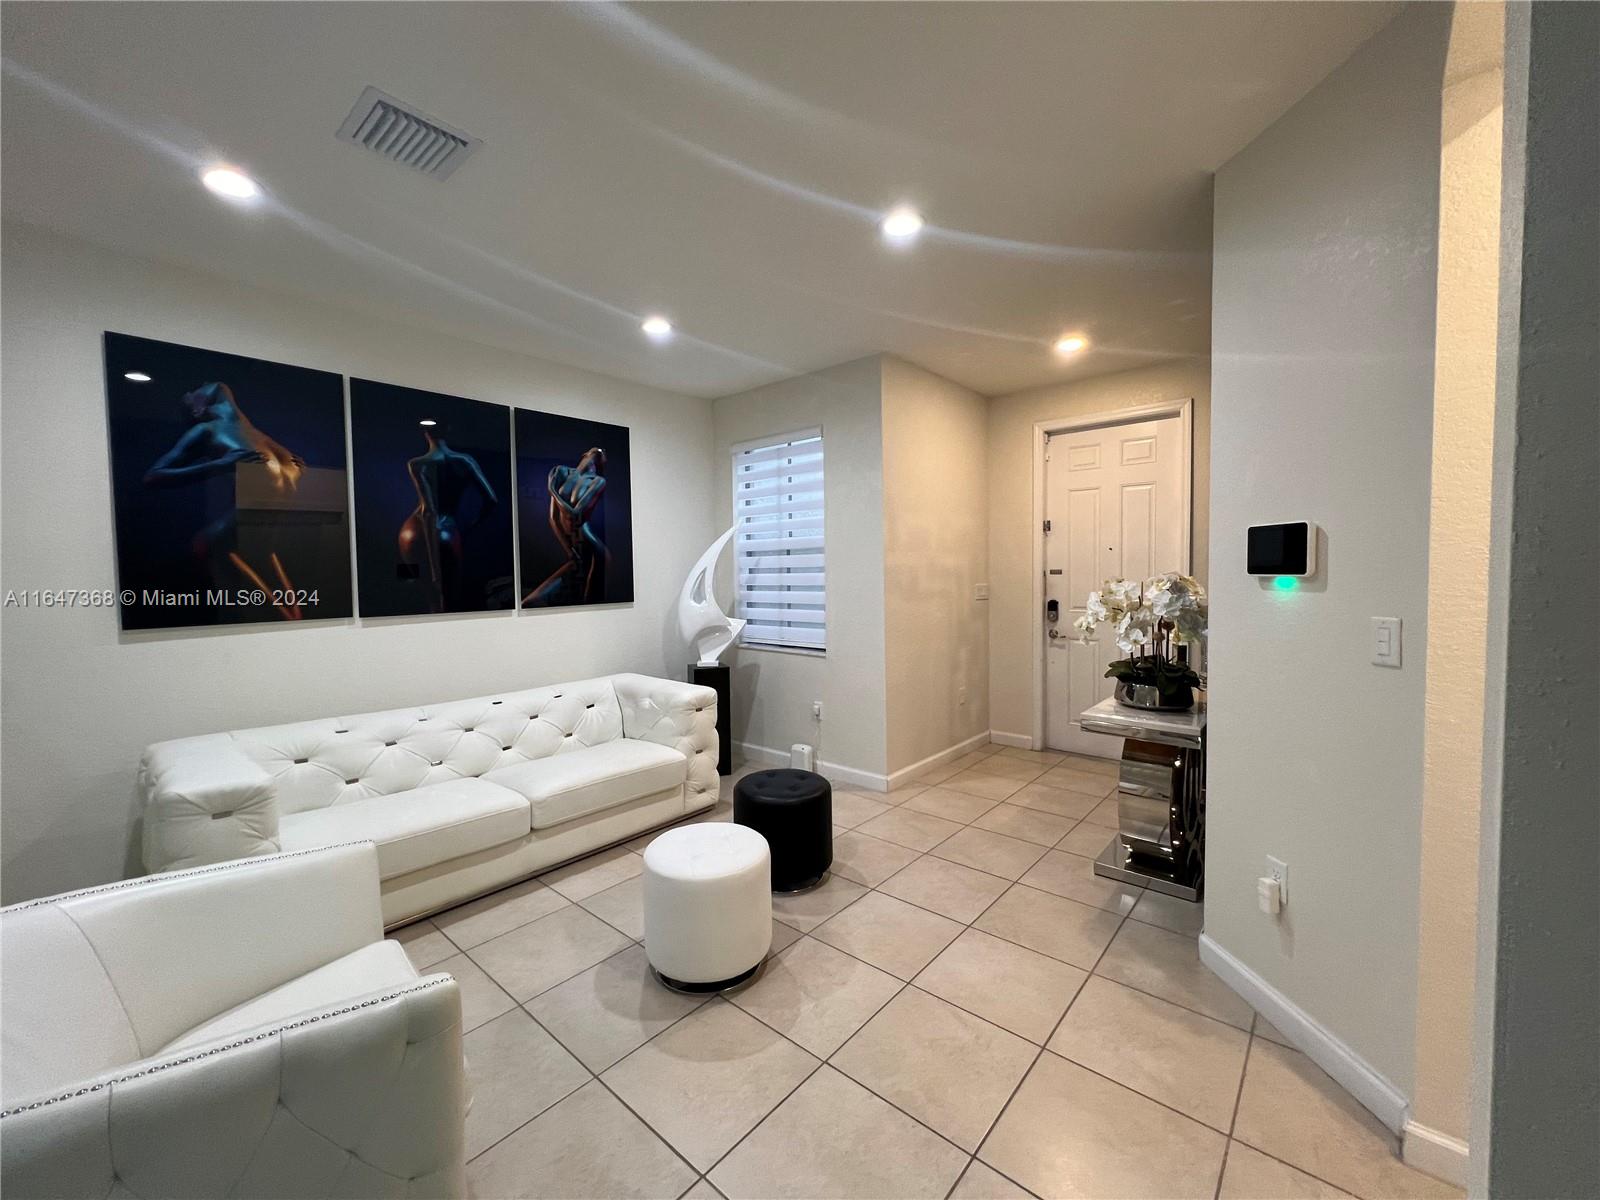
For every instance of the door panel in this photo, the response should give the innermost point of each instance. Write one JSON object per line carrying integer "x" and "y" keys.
{"x": 1087, "y": 667}
{"x": 1083, "y": 548}
{"x": 1115, "y": 498}
{"x": 1138, "y": 543}
{"x": 1138, "y": 450}
{"x": 1083, "y": 458}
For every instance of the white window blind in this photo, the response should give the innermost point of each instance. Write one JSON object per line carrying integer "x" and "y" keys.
{"x": 778, "y": 551}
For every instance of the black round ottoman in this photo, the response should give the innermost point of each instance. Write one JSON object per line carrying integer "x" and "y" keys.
{"x": 793, "y": 810}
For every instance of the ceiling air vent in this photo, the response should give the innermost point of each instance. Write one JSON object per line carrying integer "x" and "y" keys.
{"x": 403, "y": 135}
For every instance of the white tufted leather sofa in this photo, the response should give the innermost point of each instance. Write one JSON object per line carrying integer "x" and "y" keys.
{"x": 235, "y": 1030}
{"x": 461, "y": 797}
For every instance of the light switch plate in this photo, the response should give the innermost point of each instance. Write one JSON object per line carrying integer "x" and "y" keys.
{"x": 980, "y": 592}
{"x": 1386, "y": 641}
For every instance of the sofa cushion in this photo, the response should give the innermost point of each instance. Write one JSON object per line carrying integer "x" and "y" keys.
{"x": 418, "y": 828}
{"x": 373, "y": 968}
{"x": 564, "y": 787}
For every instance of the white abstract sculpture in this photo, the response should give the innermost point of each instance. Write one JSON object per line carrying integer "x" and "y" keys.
{"x": 700, "y": 618}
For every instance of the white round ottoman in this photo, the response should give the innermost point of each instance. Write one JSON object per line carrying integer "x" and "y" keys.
{"x": 707, "y": 905}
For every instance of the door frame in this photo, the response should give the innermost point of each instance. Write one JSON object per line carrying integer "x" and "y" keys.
{"x": 1042, "y": 430}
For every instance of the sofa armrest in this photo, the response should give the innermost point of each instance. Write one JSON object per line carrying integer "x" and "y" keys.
{"x": 680, "y": 715}
{"x": 204, "y": 801}
{"x": 364, "y": 1098}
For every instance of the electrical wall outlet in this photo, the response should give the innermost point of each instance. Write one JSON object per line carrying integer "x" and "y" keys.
{"x": 816, "y": 710}
{"x": 961, "y": 696}
{"x": 1278, "y": 871}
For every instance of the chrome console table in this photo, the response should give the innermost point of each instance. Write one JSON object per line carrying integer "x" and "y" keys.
{"x": 1161, "y": 798}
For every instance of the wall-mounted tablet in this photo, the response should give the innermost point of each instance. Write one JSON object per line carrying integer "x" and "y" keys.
{"x": 1288, "y": 549}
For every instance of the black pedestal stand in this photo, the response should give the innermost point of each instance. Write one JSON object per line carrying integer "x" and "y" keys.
{"x": 717, "y": 677}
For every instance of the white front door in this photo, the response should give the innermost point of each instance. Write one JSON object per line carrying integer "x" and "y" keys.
{"x": 1116, "y": 498}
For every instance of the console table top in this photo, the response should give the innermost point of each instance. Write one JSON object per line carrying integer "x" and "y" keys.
{"x": 1172, "y": 728}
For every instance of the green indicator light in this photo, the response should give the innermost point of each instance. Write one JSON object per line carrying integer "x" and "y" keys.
{"x": 1286, "y": 583}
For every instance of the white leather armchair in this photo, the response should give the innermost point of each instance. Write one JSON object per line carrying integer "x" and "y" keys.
{"x": 233, "y": 1030}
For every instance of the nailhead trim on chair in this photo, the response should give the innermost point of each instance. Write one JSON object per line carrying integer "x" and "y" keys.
{"x": 168, "y": 876}
{"x": 234, "y": 1045}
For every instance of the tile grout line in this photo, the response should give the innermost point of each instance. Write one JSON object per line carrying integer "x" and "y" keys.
{"x": 1238, "y": 1095}
{"x": 1142, "y": 1095}
{"x": 1164, "y": 999}
{"x": 972, "y": 924}
{"x": 997, "y": 1171}
{"x": 595, "y": 1077}
{"x": 767, "y": 1116}
{"x": 806, "y": 933}
{"x": 523, "y": 1006}
{"x": 912, "y": 982}
{"x": 537, "y": 877}
{"x": 656, "y": 1132}
{"x": 1043, "y": 1047}
{"x": 904, "y": 984}
{"x": 1296, "y": 1167}
{"x": 681, "y": 1016}
{"x": 523, "y": 1125}
{"x": 1000, "y": 1116}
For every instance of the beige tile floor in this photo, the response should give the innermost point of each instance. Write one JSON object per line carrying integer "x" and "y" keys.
{"x": 963, "y": 1010}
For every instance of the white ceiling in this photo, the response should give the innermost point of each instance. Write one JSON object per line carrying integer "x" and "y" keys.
{"x": 723, "y": 164}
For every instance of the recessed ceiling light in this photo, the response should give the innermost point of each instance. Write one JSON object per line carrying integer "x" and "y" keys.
{"x": 901, "y": 225}
{"x": 1071, "y": 343}
{"x": 230, "y": 183}
{"x": 657, "y": 329}
{"x": 427, "y": 423}
{"x": 136, "y": 377}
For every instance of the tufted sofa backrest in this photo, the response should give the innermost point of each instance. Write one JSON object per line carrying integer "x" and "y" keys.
{"x": 314, "y": 764}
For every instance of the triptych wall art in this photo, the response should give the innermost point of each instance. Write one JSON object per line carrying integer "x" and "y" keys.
{"x": 228, "y": 487}
{"x": 232, "y": 497}
{"x": 433, "y": 501}
{"x": 574, "y": 511}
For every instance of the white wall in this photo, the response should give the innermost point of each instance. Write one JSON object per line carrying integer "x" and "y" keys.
{"x": 81, "y": 700}
{"x": 773, "y": 690}
{"x": 935, "y": 542}
{"x": 1322, "y": 388}
{"x": 1536, "y": 1094}
{"x": 1458, "y": 561}
{"x": 1013, "y": 619}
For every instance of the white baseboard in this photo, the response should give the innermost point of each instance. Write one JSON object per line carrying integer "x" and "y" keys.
{"x": 751, "y": 752}
{"x": 1020, "y": 741}
{"x": 867, "y": 780}
{"x": 948, "y": 754}
{"x": 1348, "y": 1069}
{"x": 1439, "y": 1154}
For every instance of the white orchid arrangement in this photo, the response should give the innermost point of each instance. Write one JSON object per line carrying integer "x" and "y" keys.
{"x": 1153, "y": 618}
